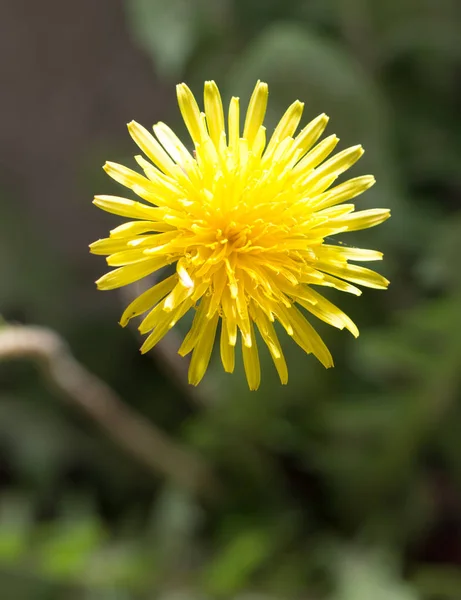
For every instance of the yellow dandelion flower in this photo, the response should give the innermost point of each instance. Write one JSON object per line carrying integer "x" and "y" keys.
{"x": 244, "y": 222}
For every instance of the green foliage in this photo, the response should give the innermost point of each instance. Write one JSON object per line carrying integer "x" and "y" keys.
{"x": 167, "y": 29}
{"x": 233, "y": 566}
{"x": 364, "y": 574}
{"x": 346, "y": 484}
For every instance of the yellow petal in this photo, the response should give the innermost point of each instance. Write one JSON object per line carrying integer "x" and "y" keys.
{"x": 147, "y": 299}
{"x": 176, "y": 297}
{"x": 124, "y": 175}
{"x": 339, "y": 284}
{"x": 287, "y": 125}
{"x": 351, "y": 253}
{"x": 172, "y": 144}
{"x": 311, "y": 133}
{"x": 198, "y": 323}
{"x": 128, "y": 208}
{"x": 165, "y": 323}
{"x": 108, "y": 246}
{"x": 256, "y": 112}
{"x": 363, "y": 219}
{"x": 214, "y": 111}
{"x": 159, "y": 183}
{"x": 131, "y": 273}
{"x": 184, "y": 275}
{"x": 219, "y": 282}
{"x": 154, "y": 317}
{"x": 260, "y": 142}
{"x": 356, "y": 274}
{"x": 226, "y": 348}
{"x": 133, "y": 228}
{"x": 126, "y": 257}
{"x": 150, "y": 147}
{"x": 202, "y": 351}
{"x": 234, "y": 123}
{"x": 269, "y": 336}
{"x": 190, "y": 112}
{"x": 153, "y": 240}
{"x": 315, "y": 156}
{"x": 334, "y": 212}
{"x": 309, "y": 340}
{"x": 251, "y": 361}
{"x": 230, "y": 314}
{"x": 345, "y": 191}
{"x": 335, "y": 165}
{"x": 327, "y": 311}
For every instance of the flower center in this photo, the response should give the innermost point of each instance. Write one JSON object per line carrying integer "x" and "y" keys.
{"x": 235, "y": 236}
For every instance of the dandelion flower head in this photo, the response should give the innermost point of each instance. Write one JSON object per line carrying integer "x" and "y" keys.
{"x": 245, "y": 225}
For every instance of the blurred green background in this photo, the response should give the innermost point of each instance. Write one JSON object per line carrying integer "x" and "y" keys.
{"x": 344, "y": 485}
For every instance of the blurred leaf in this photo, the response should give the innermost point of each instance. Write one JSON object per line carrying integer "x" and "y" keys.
{"x": 440, "y": 267}
{"x": 176, "y": 516}
{"x": 232, "y": 567}
{"x": 426, "y": 37}
{"x": 364, "y": 575}
{"x": 66, "y": 548}
{"x": 51, "y": 441}
{"x": 174, "y": 524}
{"x": 119, "y": 564}
{"x": 15, "y": 524}
{"x": 441, "y": 582}
{"x": 166, "y": 29}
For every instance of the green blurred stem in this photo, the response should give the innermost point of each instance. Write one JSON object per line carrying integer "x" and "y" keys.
{"x": 132, "y": 432}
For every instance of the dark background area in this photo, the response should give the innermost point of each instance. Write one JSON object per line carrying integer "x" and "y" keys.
{"x": 343, "y": 485}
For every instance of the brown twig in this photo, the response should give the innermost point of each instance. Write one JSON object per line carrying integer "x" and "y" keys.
{"x": 148, "y": 444}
